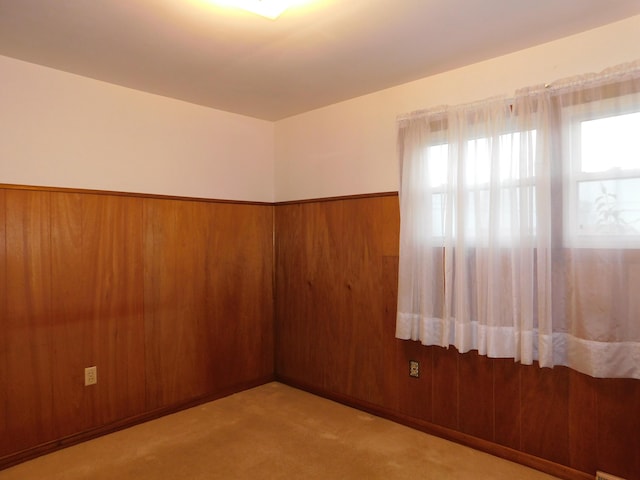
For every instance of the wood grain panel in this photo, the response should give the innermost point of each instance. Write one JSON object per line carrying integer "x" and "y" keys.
{"x": 332, "y": 297}
{"x": 476, "y": 394}
{"x": 240, "y": 294}
{"x": 545, "y": 412}
{"x": 583, "y": 426}
{"x": 391, "y": 226}
{"x": 294, "y": 311}
{"x": 329, "y": 277}
{"x": 362, "y": 321}
{"x": 508, "y": 407}
{"x": 28, "y": 320}
{"x": 445, "y": 387}
{"x": 618, "y": 419}
{"x": 306, "y": 275}
{"x": 175, "y": 300}
{"x": 112, "y": 263}
{"x": 78, "y": 263}
{"x": 71, "y": 317}
{"x": 415, "y": 395}
{"x": 395, "y": 358}
{"x": 208, "y": 297}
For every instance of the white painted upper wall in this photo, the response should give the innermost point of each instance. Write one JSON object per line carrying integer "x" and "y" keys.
{"x": 350, "y": 148}
{"x": 63, "y": 130}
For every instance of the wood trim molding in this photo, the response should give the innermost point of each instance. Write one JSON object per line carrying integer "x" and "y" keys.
{"x": 128, "y": 194}
{"x": 334, "y": 199}
{"x": 543, "y": 465}
{"x": 59, "y": 444}
{"x": 9, "y": 186}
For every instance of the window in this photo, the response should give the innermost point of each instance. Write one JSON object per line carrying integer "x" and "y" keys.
{"x": 603, "y": 207}
{"x": 481, "y": 157}
{"x": 520, "y": 225}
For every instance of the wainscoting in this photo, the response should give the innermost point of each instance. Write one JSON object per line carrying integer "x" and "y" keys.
{"x": 171, "y": 299}
{"x": 336, "y": 277}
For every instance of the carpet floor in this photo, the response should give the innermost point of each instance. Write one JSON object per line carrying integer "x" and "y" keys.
{"x": 269, "y": 432}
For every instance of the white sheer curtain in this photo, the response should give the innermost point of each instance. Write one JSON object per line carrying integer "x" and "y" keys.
{"x": 520, "y": 225}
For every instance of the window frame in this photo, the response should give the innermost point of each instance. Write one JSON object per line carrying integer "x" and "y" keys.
{"x": 573, "y": 236}
{"x": 443, "y": 189}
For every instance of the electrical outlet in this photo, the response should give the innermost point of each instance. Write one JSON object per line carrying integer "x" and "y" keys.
{"x": 414, "y": 368}
{"x": 90, "y": 376}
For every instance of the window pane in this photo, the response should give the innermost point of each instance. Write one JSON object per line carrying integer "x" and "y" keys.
{"x": 438, "y": 157}
{"x": 505, "y": 214}
{"x": 609, "y": 207}
{"x": 437, "y": 218}
{"x": 478, "y": 162}
{"x": 489, "y": 209}
{"x": 506, "y": 152}
{"x": 611, "y": 143}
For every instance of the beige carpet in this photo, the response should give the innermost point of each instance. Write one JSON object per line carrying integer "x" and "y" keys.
{"x": 270, "y": 432}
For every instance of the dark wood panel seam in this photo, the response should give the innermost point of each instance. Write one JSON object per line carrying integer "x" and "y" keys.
{"x": 540, "y": 464}
{"x": 59, "y": 444}
{"x": 274, "y": 288}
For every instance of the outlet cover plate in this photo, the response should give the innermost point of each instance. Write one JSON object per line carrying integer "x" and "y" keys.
{"x": 90, "y": 376}
{"x": 414, "y": 368}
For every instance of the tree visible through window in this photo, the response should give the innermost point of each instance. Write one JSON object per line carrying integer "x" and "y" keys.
{"x": 605, "y": 180}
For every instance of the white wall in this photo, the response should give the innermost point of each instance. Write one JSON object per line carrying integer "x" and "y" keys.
{"x": 63, "y": 130}
{"x": 350, "y": 148}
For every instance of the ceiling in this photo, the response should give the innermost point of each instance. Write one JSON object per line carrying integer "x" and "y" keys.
{"x": 311, "y": 56}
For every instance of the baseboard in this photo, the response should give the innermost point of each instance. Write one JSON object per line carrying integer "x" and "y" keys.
{"x": 537, "y": 463}
{"x": 58, "y": 444}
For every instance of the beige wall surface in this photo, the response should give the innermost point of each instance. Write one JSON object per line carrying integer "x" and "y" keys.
{"x": 63, "y": 130}
{"x": 350, "y": 148}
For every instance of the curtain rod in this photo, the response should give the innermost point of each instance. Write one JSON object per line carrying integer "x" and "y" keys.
{"x": 623, "y": 71}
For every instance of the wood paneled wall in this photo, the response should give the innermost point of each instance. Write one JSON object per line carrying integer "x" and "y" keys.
{"x": 171, "y": 299}
{"x": 336, "y": 280}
